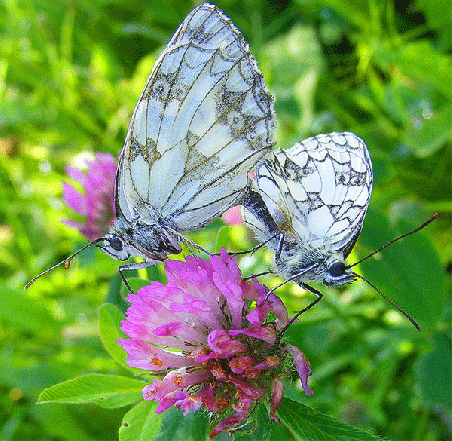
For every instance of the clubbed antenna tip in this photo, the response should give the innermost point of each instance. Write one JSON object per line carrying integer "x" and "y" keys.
{"x": 66, "y": 262}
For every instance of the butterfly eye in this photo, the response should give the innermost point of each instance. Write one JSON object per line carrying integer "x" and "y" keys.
{"x": 116, "y": 243}
{"x": 337, "y": 269}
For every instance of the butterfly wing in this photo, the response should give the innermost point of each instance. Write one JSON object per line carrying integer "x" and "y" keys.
{"x": 317, "y": 192}
{"x": 266, "y": 205}
{"x": 204, "y": 119}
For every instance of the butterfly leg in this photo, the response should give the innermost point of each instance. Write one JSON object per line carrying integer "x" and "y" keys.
{"x": 123, "y": 277}
{"x": 303, "y": 285}
{"x": 187, "y": 242}
{"x": 292, "y": 320}
{"x": 132, "y": 266}
{"x": 280, "y": 246}
{"x": 294, "y": 277}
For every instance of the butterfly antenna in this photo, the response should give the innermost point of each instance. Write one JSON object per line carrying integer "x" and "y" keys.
{"x": 395, "y": 240}
{"x": 411, "y": 319}
{"x": 66, "y": 261}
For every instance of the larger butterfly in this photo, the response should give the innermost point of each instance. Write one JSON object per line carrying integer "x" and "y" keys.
{"x": 308, "y": 203}
{"x": 203, "y": 121}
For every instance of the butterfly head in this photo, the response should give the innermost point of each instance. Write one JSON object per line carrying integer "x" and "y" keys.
{"x": 303, "y": 265}
{"x": 117, "y": 247}
{"x": 337, "y": 273}
{"x": 149, "y": 242}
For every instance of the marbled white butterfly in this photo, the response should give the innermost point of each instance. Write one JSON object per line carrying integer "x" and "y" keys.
{"x": 203, "y": 121}
{"x": 308, "y": 204}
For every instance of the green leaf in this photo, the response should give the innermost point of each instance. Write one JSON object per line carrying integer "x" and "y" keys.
{"x": 140, "y": 423}
{"x": 409, "y": 272}
{"x": 110, "y": 317}
{"x": 105, "y": 390}
{"x": 434, "y": 372}
{"x": 309, "y": 425}
{"x": 176, "y": 427}
{"x": 257, "y": 426}
{"x": 114, "y": 295}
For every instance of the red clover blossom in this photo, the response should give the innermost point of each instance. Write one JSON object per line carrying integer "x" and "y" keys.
{"x": 96, "y": 203}
{"x": 210, "y": 348}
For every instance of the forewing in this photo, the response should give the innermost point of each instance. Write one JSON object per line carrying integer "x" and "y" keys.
{"x": 203, "y": 121}
{"x": 329, "y": 182}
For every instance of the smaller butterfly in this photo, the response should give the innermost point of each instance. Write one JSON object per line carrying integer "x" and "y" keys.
{"x": 308, "y": 204}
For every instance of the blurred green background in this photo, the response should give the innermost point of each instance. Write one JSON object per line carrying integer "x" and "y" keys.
{"x": 70, "y": 75}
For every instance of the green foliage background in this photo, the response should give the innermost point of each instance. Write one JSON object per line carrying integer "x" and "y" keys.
{"x": 70, "y": 76}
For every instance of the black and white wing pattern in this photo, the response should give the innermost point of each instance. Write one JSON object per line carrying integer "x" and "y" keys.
{"x": 309, "y": 202}
{"x": 203, "y": 121}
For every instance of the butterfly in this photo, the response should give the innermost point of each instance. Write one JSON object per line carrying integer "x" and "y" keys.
{"x": 308, "y": 203}
{"x": 203, "y": 121}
